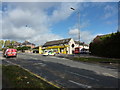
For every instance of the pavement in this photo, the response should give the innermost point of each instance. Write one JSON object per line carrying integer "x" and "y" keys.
{"x": 67, "y": 73}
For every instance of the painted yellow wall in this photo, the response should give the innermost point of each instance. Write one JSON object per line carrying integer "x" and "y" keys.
{"x": 58, "y": 48}
{"x": 40, "y": 50}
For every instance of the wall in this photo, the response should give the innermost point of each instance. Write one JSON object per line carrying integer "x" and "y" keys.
{"x": 70, "y": 49}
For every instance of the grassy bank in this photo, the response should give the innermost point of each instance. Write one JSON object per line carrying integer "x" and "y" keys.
{"x": 16, "y": 77}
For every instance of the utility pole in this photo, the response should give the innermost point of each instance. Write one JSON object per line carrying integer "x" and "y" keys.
{"x": 78, "y": 24}
{"x": 79, "y": 27}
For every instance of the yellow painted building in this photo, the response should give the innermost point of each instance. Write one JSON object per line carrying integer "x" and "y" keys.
{"x": 40, "y": 50}
{"x": 64, "y": 46}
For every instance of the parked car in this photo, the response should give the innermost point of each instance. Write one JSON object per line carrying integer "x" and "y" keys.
{"x": 10, "y": 52}
{"x": 47, "y": 53}
{"x": 84, "y": 51}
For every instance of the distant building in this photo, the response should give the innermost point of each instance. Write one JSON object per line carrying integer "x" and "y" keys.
{"x": 26, "y": 43}
{"x": 17, "y": 44}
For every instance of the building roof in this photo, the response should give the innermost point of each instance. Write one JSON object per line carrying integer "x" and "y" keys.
{"x": 81, "y": 43}
{"x": 27, "y": 43}
{"x": 57, "y": 42}
{"x": 17, "y": 43}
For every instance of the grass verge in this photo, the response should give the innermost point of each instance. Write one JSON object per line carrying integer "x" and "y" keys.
{"x": 16, "y": 77}
{"x": 96, "y": 60}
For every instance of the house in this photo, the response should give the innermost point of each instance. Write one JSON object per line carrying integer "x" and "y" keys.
{"x": 17, "y": 44}
{"x": 26, "y": 43}
{"x": 64, "y": 46}
{"x": 81, "y": 45}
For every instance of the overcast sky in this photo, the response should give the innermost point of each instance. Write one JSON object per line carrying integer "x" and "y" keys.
{"x": 39, "y": 22}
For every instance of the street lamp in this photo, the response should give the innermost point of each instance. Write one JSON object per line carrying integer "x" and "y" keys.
{"x": 78, "y": 24}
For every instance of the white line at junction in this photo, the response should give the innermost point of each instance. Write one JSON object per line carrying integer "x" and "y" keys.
{"x": 83, "y": 76}
{"x": 82, "y": 85}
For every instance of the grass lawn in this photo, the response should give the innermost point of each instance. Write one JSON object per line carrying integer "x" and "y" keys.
{"x": 16, "y": 77}
{"x": 96, "y": 60}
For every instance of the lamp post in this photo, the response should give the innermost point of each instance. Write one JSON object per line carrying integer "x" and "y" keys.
{"x": 78, "y": 24}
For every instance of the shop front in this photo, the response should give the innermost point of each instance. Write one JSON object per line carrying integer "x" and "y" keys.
{"x": 58, "y": 49}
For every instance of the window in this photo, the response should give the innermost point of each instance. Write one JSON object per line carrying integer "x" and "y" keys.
{"x": 72, "y": 45}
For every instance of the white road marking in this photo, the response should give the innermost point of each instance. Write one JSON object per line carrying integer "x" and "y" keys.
{"x": 63, "y": 58}
{"x": 55, "y": 57}
{"x": 107, "y": 74}
{"x": 34, "y": 58}
{"x": 12, "y": 63}
{"x": 42, "y": 64}
{"x": 82, "y": 85}
{"x": 38, "y": 63}
{"x": 59, "y": 58}
{"x": 83, "y": 76}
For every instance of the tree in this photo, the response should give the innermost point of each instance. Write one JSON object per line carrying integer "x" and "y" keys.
{"x": 1, "y": 43}
{"x": 23, "y": 48}
{"x": 7, "y": 43}
{"x": 13, "y": 42}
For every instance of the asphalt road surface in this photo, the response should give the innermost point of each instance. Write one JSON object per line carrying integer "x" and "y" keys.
{"x": 67, "y": 73}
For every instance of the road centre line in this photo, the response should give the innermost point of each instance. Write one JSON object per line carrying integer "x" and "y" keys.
{"x": 83, "y": 76}
{"x": 82, "y": 85}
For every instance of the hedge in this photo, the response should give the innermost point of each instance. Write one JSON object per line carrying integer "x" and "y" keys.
{"x": 106, "y": 46}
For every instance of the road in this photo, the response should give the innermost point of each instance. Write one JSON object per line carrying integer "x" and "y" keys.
{"x": 67, "y": 73}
